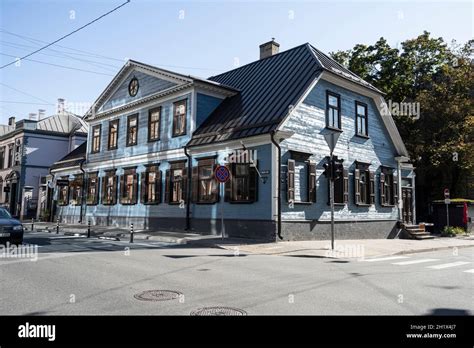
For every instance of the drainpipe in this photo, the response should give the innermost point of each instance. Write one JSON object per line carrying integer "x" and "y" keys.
{"x": 51, "y": 198}
{"x": 188, "y": 193}
{"x": 83, "y": 186}
{"x": 278, "y": 179}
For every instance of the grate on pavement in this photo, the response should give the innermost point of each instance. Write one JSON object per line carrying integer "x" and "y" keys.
{"x": 218, "y": 311}
{"x": 157, "y": 295}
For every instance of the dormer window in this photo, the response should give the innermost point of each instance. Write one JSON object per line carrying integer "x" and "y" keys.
{"x": 333, "y": 110}
{"x": 179, "y": 118}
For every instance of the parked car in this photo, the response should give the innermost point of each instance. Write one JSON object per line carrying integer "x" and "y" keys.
{"x": 11, "y": 230}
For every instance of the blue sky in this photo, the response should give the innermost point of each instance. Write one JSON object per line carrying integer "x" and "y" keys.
{"x": 201, "y": 38}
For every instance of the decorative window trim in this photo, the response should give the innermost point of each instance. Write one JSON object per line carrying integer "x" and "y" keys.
{"x": 124, "y": 196}
{"x": 151, "y": 168}
{"x": 63, "y": 201}
{"x": 369, "y": 186}
{"x": 290, "y": 178}
{"x": 175, "y": 116}
{"x": 339, "y": 111}
{"x": 384, "y": 173}
{"x": 129, "y": 119}
{"x": 95, "y": 200}
{"x": 196, "y": 181}
{"x": 111, "y": 123}
{"x": 75, "y": 197}
{"x": 170, "y": 181}
{"x": 99, "y": 127}
{"x": 150, "y": 112}
{"x": 366, "y": 119}
{"x": 109, "y": 173}
{"x": 252, "y": 184}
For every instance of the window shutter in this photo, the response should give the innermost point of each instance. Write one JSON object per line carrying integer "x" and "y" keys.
{"x": 114, "y": 190}
{"x": 135, "y": 188}
{"x": 356, "y": 186}
{"x": 312, "y": 182}
{"x": 395, "y": 190}
{"x": 97, "y": 190}
{"x": 228, "y": 184}
{"x": 215, "y": 193}
{"x": 167, "y": 186}
{"x": 122, "y": 189}
{"x": 382, "y": 189}
{"x": 372, "y": 187}
{"x": 158, "y": 186}
{"x": 143, "y": 188}
{"x": 253, "y": 184}
{"x": 195, "y": 184}
{"x": 290, "y": 180}
{"x": 185, "y": 184}
{"x": 104, "y": 189}
{"x": 345, "y": 174}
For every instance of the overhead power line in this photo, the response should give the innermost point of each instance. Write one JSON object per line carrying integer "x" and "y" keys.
{"x": 25, "y": 93}
{"x": 23, "y": 102}
{"x": 67, "y": 35}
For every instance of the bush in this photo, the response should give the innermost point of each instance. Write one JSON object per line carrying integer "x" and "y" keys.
{"x": 452, "y": 231}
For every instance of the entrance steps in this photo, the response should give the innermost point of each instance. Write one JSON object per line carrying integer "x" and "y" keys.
{"x": 416, "y": 232}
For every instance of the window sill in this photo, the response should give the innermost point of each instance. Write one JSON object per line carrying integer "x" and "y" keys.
{"x": 334, "y": 129}
{"x": 241, "y": 202}
{"x": 126, "y": 203}
{"x": 177, "y": 135}
{"x": 150, "y": 203}
{"x": 302, "y": 203}
{"x": 112, "y": 148}
{"x": 206, "y": 203}
{"x": 153, "y": 140}
{"x": 337, "y": 204}
{"x": 363, "y": 205}
{"x": 129, "y": 145}
{"x": 387, "y": 205}
{"x": 108, "y": 203}
{"x": 362, "y": 136}
{"x": 92, "y": 204}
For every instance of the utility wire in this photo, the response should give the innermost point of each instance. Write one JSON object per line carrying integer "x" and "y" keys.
{"x": 23, "y": 102}
{"x": 25, "y": 93}
{"x": 67, "y": 35}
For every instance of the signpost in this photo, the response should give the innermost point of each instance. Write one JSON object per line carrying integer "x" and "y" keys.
{"x": 331, "y": 139}
{"x": 447, "y": 201}
{"x": 222, "y": 175}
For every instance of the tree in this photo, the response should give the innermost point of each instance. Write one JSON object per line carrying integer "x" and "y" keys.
{"x": 440, "y": 78}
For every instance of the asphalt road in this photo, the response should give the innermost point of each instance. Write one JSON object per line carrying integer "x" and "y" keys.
{"x": 75, "y": 275}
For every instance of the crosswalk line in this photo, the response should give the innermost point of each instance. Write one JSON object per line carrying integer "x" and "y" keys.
{"x": 448, "y": 265}
{"x": 386, "y": 258}
{"x": 412, "y": 262}
{"x": 470, "y": 271}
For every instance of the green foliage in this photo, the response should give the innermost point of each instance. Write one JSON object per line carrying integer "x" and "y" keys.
{"x": 452, "y": 231}
{"x": 439, "y": 77}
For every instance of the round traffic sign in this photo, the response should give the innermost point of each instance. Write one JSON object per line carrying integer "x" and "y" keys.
{"x": 222, "y": 174}
{"x": 446, "y": 193}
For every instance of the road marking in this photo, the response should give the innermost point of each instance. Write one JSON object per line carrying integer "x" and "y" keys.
{"x": 387, "y": 258}
{"x": 470, "y": 271}
{"x": 448, "y": 265}
{"x": 403, "y": 263}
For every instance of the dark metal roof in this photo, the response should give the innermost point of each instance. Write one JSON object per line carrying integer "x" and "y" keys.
{"x": 73, "y": 158}
{"x": 267, "y": 89}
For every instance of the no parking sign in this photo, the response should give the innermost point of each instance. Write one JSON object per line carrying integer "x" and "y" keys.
{"x": 222, "y": 174}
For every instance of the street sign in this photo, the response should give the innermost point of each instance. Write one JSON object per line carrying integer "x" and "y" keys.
{"x": 447, "y": 201}
{"x": 446, "y": 193}
{"x": 331, "y": 139}
{"x": 62, "y": 182}
{"x": 222, "y": 174}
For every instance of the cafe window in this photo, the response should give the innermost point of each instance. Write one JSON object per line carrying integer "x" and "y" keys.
{"x": 176, "y": 183}
{"x": 93, "y": 189}
{"x": 205, "y": 188}
{"x": 361, "y": 119}
{"x": 109, "y": 188}
{"x": 129, "y": 186}
{"x": 364, "y": 186}
{"x": 132, "y": 130}
{"x": 242, "y": 186}
{"x": 333, "y": 110}
{"x": 63, "y": 194}
{"x": 76, "y": 190}
{"x": 388, "y": 187}
{"x": 96, "y": 139}
{"x": 154, "y": 119}
{"x": 113, "y": 134}
{"x": 151, "y": 185}
{"x": 179, "y": 118}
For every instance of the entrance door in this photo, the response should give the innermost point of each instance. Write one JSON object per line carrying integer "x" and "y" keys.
{"x": 407, "y": 210}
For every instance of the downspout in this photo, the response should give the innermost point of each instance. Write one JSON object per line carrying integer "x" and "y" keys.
{"x": 83, "y": 186}
{"x": 278, "y": 179}
{"x": 188, "y": 193}
{"x": 51, "y": 198}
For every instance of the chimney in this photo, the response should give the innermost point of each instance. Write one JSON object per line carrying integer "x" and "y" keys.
{"x": 32, "y": 116}
{"x": 269, "y": 48}
{"x": 11, "y": 121}
{"x": 41, "y": 114}
{"x": 60, "y": 105}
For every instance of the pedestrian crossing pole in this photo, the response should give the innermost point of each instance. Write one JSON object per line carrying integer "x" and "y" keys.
{"x": 88, "y": 228}
{"x": 57, "y": 226}
{"x": 131, "y": 233}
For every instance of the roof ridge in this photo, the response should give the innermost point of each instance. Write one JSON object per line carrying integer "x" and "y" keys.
{"x": 258, "y": 60}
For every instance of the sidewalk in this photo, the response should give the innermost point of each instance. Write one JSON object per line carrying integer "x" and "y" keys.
{"x": 356, "y": 248}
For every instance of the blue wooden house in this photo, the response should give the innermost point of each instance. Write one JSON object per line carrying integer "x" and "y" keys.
{"x": 156, "y": 137}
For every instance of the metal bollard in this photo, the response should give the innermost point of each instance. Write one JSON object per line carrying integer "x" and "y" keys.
{"x": 32, "y": 224}
{"x": 89, "y": 229}
{"x": 131, "y": 233}
{"x": 57, "y": 227}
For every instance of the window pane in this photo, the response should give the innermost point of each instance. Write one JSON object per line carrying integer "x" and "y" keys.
{"x": 361, "y": 109}
{"x": 333, "y": 101}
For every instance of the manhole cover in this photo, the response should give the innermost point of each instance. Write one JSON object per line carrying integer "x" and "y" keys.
{"x": 218, "y": 311}
{"x": 157, "y": 295}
